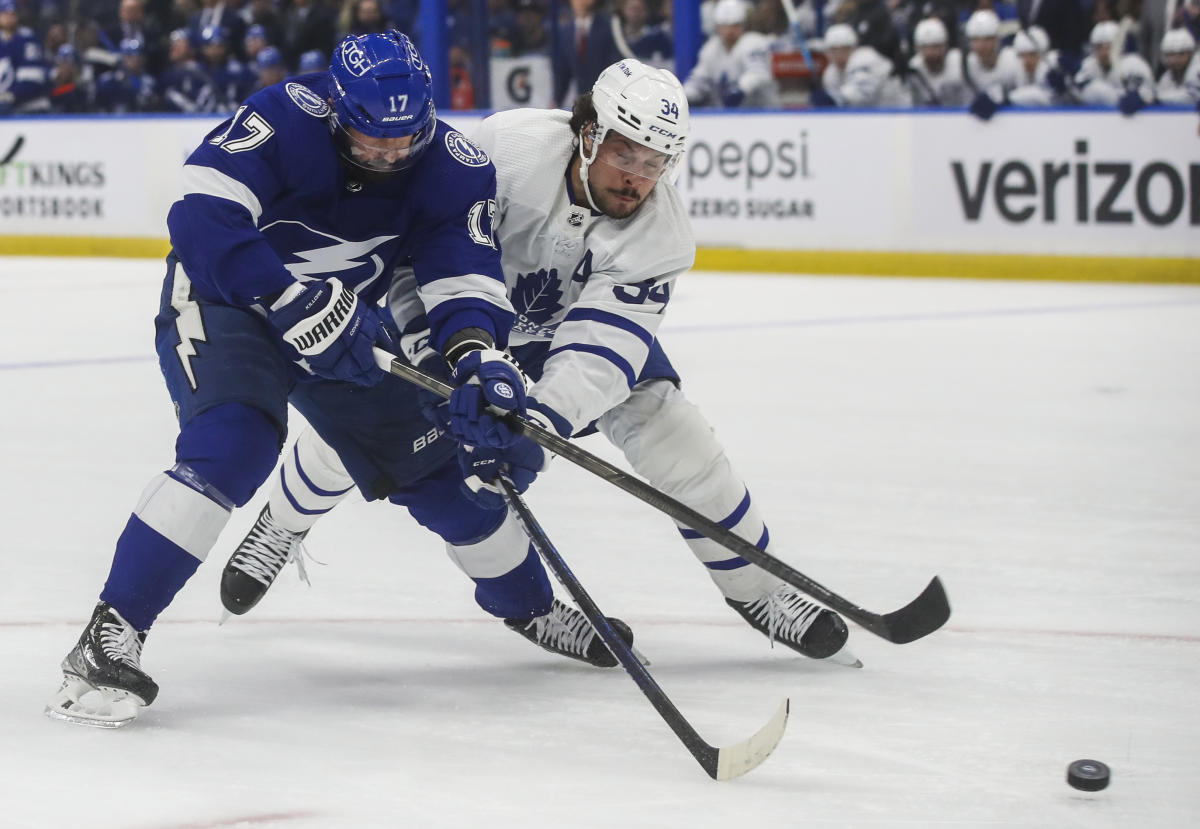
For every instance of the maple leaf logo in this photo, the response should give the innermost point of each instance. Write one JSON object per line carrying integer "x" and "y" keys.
{"x": 536, "y": 295}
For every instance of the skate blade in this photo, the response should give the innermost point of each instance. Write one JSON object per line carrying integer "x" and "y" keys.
{"x": 640, "y": 657}
{"x": 81, "y": 703}
{"x": 844, "y": 657}
{"x": 225, "y": 617}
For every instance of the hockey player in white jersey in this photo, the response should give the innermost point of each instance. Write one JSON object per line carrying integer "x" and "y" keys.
{"x": 590, "y": 257}
{"x": 935, "y": 76}
{"x": 1098, "y": 79}
{"x": 857, "y": 76}
{"x": 992, "y": 71}
{"x": 734, "y": 66}
{"x": 1180, "y": 80}
{"x": 1034, "y": 89}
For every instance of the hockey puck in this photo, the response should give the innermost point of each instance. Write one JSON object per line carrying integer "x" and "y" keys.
{"x": 1088, "y": 775}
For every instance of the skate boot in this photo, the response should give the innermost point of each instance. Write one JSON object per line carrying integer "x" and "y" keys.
{"x": 257, "y": 561}
{"x": 566, "y": 631}
{"x": 103, "y": 681}
{"x": 786, "y": 615}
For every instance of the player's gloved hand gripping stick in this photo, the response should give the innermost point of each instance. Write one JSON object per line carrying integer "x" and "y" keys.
{"x": 920, "y": 617}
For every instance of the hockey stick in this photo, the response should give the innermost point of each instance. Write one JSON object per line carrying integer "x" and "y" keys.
{"x": 920, "y": 617}
{"x": 720, "y": 763}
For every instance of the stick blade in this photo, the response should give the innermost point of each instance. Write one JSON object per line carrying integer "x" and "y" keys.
{"x": 920, "y": 617}
{"x": 735, "y": 760}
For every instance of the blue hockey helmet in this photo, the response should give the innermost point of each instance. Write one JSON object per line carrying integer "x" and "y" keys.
{"x": 381, "y": 89}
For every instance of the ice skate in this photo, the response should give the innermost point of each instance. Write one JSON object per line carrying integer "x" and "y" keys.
{"x": 566, "y": 631}
{"x": 786, "y": 615}
{"x": 103, "y": 682}
{"x": 256, "y": 562}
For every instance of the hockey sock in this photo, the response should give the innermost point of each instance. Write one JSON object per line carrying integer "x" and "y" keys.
{"x": 522, "y": 593}
{"x": 173, "y": 527}
{"x": 311, "y": 482}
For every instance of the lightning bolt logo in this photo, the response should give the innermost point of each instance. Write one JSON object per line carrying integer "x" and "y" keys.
{"x": 189, "y": 324}
{"x": 337, "y": 258}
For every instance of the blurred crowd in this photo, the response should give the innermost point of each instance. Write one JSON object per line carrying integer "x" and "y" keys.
{"x": 122, "y": 56}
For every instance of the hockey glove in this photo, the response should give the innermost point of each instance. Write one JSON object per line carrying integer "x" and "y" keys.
{"x": 521, "y": 462}
{"x": 733, "y": 97}
{"x": 490, "y": 385}
{"x": 820, "y": 98}
{"x": 324, "y": 324}
{"x": 985, "y": 106}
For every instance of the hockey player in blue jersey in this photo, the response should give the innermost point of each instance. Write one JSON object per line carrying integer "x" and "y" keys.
{"x": 591, "y": 256}
{"x": 23, "y": 70}
{"x": 296, "y": 212}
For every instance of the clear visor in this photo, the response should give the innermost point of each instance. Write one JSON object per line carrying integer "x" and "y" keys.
{"x": 379, "y": 154}
{"x": 630, "y": 157}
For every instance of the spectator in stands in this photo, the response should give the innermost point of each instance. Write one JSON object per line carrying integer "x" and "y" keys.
{"x": 637, "y": 37}
{"x": 313, "y": 60}
{"x": 992, "y": 71}
{"x": 24, "y": 83}
{"x": 586, "y": 49}
{"x": 133, "y": 24}
{"x": 857, "y": 75}
{"x": 217, "y": 14}
{"x": 734, "y": 66}
{"x": 269, "y": 64}
{"x": 264, "y": 14}
{"x": 185, "y": 86}
{"x": 361, "y": 17}
{"x": 531, "y": 35}
{"x": 255, "y": 41}
{"x": 72, "y": 85}
{"x": 307, "y": 24}
{"x": 871, "y": 22}
{"x": 935, "y": 76}
{"x": 128, "y": 88}
{"x": 1034, "y": 88}
{"x": 232, "y": 81}
{"x": 502, "y": 27}
{"x": 1180, "y": 80}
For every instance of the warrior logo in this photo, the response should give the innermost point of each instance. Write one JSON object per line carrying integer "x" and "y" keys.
{"x": 355, "y": 58}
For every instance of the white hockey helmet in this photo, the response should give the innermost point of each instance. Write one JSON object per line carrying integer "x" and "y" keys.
{"x": 647, "y": 106}
{"x": 1023, "y": 44}
{"x": 1040, "y": 38}
{"x": 983, "y": 23}
{"x": 1178, "y": 40}
{"x": 729, "y": 13}
{"x": 1105, "y": 31}
{"x": 840, "y": 34}
{"x": 1133, "y": 71}
{"x": 930, "y": 32}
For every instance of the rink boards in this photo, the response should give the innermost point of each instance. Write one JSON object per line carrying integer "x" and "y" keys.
{"x": 1033, "y": 194}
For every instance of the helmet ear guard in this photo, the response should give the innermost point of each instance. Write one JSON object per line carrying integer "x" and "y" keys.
{"x": 381, "y": 88}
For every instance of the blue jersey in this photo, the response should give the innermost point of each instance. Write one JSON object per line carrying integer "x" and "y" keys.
{"x": 268, "y": 202}
{"x": 23, "y": 74}
{"x": 186, "y": 88}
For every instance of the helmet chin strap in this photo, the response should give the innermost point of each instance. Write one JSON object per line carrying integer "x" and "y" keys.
{"x": 584, "y": 164}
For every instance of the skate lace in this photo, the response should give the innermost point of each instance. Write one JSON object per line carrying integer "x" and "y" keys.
{"x": 564, "y": 629}
{"x": 786, "y": 614}
{"x": 267, "y": 548}
{"x": 121, "y": 643}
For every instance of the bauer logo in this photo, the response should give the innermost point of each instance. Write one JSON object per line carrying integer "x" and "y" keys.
{"x": 307, "y": 100}
{"x": 355, "y": 58}
{"x": 464, "y": 150}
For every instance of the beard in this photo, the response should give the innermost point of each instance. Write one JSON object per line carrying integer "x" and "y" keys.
{"x": 612, "y": 207}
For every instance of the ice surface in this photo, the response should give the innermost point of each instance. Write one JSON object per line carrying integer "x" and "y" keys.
{"x": 1037, "y": 445}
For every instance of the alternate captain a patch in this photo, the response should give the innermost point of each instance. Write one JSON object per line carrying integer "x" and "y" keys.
{"x": 464, "y": 150}
{"x": 307, "y": 100}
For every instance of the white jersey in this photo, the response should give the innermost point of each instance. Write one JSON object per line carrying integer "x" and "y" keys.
{"x": 1181, "y": 90}
{"x": 1098, "y": 85}
{"x": 1034, "y": 89}
{"x": 867, "y": 81}
{"x": 1002, "y": 78}
{"x": 947, "y": 88}
{"x": 595, "y": 288}
{"x": 747, "y": 66}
